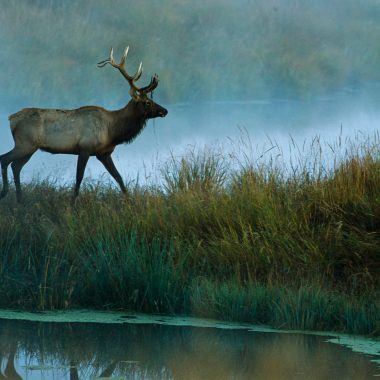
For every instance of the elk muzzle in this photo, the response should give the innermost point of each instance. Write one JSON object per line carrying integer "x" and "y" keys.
{"x": 155, "y": 110}
{"x": 162, "y": 112}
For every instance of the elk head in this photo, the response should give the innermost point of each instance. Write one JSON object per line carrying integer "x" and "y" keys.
{"x": 143, "y": 105}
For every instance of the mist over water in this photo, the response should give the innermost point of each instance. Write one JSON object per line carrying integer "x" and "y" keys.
{"x": 233, "y": 75}
{"x": 260, "y": 130}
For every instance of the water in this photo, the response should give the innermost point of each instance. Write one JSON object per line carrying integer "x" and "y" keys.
{"x": 160, "y": 348}
{"x": 253, "y": 126}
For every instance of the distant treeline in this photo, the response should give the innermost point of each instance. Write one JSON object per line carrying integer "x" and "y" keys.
{"x": 203, "y": 50}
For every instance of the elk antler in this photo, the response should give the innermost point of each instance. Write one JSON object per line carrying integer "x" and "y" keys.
{"x": 151, "y": 86}
{"x": 135, "y": 92}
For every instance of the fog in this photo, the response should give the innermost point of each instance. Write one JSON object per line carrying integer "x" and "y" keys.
{"x": 256, "y": 74}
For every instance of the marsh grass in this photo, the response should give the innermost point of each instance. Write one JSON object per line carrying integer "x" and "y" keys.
{"x": 294, "y": 246}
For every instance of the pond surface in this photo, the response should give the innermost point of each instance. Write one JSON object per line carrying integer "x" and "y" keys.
{"x": 142, "y": 347}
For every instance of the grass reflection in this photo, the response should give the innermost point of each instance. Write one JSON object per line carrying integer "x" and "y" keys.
{"x": 90, "y": 351}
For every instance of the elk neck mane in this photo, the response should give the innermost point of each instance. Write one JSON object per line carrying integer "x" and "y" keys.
{"x": 128, "y": 124}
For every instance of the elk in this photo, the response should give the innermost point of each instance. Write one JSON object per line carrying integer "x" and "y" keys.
{"x": 86, "y": 131}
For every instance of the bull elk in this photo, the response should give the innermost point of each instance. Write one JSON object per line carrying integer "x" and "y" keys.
{"x": 86, "y": 131}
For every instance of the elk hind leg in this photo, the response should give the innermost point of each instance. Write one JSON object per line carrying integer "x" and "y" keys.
{"x": 17, "y": 165}
{"x": 5, "y": 160}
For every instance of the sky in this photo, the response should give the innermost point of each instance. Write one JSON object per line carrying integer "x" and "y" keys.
{"x": 232, "y": 73}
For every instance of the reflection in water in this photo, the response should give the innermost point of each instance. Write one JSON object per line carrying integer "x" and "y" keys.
{"x": 36, "y": 350}
{"x": 9, "y": 371}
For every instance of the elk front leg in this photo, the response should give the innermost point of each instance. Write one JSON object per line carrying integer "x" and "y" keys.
{"x": 81, "y": 166}
{"x": 107, "y": 161}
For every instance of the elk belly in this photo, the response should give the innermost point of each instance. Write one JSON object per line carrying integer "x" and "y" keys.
{"x": 60, "y": 137}
{"x": 72, "y": 131}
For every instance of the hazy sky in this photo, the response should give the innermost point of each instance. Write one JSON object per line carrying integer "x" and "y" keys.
{"x": 270, "y": 68}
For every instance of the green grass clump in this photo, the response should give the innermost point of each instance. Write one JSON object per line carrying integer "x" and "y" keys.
{"x": 294, "y": 248}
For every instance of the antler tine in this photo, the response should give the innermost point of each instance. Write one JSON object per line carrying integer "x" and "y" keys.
{"x": 109, "y": 60}
{"x": 138, "y": 73}
{"x": 151, "y": 86}
{"x": 139, "y": 70}
{"x": 124, "y": 57}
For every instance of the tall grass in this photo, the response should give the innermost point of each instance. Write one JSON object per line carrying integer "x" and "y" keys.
{"x": 294, "y": 246}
